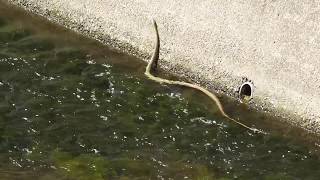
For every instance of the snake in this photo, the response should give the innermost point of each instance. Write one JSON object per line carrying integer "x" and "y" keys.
{"x": 152, "y": 66}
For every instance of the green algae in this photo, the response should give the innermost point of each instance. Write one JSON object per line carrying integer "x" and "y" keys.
{"x": 82, "y": 167}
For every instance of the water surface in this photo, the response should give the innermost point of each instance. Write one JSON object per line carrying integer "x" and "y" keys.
{"x": 71, "y": 108}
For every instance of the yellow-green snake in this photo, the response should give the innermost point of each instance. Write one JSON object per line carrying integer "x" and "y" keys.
{"x": 152, "y": 65}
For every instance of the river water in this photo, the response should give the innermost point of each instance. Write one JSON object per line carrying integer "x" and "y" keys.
{"x": 71, "y": 108}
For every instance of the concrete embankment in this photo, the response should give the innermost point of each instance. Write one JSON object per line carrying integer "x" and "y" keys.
{"x": 275, "y": 44}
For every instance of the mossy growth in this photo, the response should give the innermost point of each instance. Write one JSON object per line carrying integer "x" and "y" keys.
{"x": 81, "y": 167}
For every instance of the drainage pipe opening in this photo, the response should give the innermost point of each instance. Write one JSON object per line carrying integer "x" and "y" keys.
{"x": 246, "y": 91}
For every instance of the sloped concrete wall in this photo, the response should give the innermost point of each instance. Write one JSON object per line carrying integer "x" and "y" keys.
{"x": 274, "y": 43}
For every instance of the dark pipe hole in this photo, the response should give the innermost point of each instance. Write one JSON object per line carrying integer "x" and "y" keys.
{"x": 245, "y": 91}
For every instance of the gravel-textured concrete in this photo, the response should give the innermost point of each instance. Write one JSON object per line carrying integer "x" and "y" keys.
{"x": 276, "y": 44}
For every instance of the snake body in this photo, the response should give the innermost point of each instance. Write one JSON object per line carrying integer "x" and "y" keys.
{"x": 152, "y": 65}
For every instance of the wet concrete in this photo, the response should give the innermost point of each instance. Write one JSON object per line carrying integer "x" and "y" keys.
{"x": 215, "y": 43}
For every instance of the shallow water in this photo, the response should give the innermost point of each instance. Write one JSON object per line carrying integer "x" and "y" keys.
{"x": 71, "y": 108}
